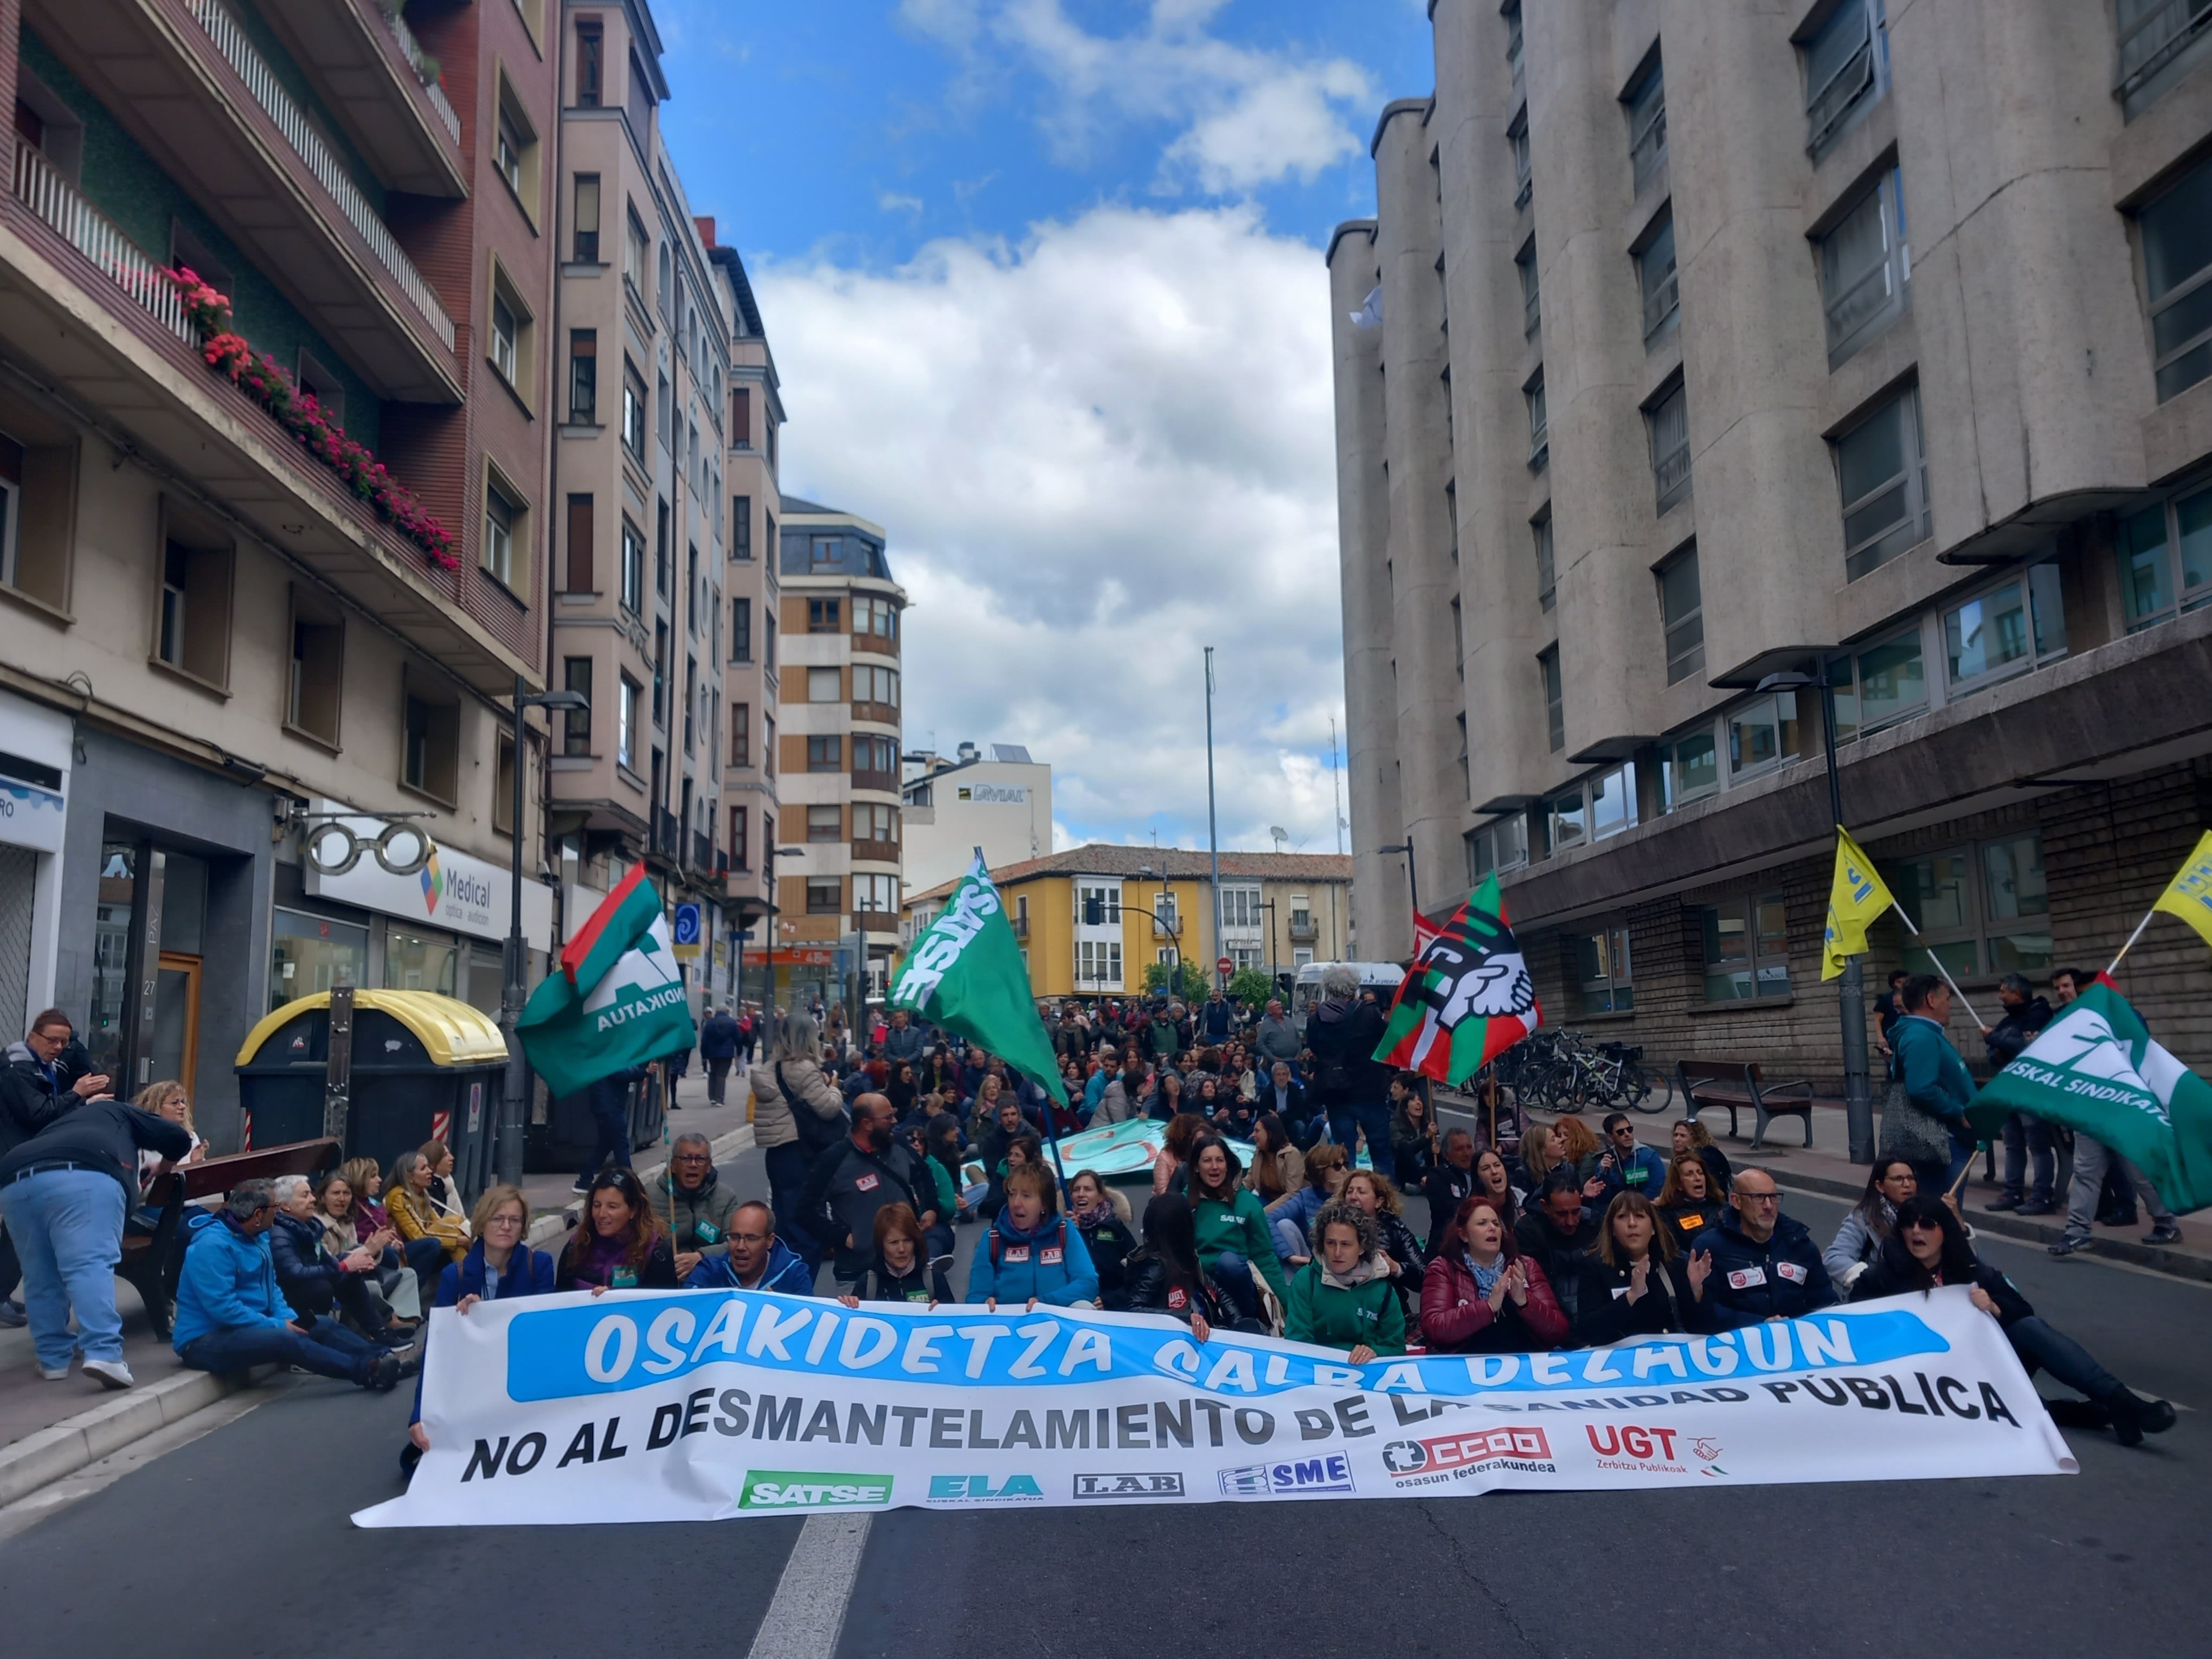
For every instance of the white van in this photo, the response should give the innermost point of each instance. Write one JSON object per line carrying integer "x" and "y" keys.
{"x": 1381, "y": 977}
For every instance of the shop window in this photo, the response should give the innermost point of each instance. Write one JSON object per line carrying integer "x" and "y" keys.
{"x": 1601, "y": 972}
{"x": 311, "y": 954}
{"x": 420, "y": 961}
{"x": 1746, "y": 949}
{"x": 313, "y": 686}
{"x": 1983, "y": 909}
{"x": 429, "y": 744}
{"x": 191, "y": 614}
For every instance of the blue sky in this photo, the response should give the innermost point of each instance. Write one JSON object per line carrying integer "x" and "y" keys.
{"x": 1042, "y": 279}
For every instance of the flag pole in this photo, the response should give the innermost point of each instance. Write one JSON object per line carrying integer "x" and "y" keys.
{"x": 1938, "y": 961}
{"x": 2132, "y": 937}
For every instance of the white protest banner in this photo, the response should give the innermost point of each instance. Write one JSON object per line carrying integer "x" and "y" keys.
{"x": 643, "y": 1406}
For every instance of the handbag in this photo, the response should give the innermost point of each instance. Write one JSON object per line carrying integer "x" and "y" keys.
{"x": 1909, "y": 1132}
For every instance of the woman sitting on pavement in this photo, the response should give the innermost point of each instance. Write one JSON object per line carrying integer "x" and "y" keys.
{"x": 415, "y": 1213}
{"x": 1483, "y": 1296}
{"x": 618, "y": 1245}
{"x": 1184, "y": 1131}
{"x": 1291, "y": 1217}
{"x": 1866, "y": 1225}
{"x": 1584, "y": 1149}
{"x": 1030, "y": 1254}
{"x": 339, "y": 1218}
{"x": 1374, "y": 1193}
{"x": 1234, "y": 1242}
{"x": 1413, "y": 1132}
{"x": 1229, "y": 1112}
{"x": 1637, "y": 1283}
{"x": 1105, "y": 1235}
{"x": 1165, "y": 1277}
{"x": 1927, "y": 1247}
{"x": 1692, "y": 1136}
{"x": 1166, "y": 1103}
{"x": 1688, "y": 1202}
{"x": 317, "y": 1283}
{"x": 900, "y": 1270}
{"x": 1342, "y": 1298}
{"x": 1495, "y": 1182}
{"x": 1542, "y": 1148}
{"x": 1279, "y": 1169}
{"x": 423, "y": 1257}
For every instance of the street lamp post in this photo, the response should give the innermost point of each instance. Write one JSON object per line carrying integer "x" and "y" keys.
{"x": 1851, "y": 991}
{"x": 508, "y": 1153}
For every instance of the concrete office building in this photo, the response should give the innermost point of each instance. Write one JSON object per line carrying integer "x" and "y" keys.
{"x": 837, "y": 705}
{"x": 208, "y": 628}
{"x": 1710, "y": 343}
{"x": 954, "y": 803}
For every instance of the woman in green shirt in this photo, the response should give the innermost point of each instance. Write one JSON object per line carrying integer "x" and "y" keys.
{"x": 1233, "y": 1240}
{"x": 1343, "y": 1297}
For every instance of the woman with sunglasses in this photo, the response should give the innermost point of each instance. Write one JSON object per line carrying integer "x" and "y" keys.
{"x": 1927, "y": 1247}
{"x": 1866, "y": 1225}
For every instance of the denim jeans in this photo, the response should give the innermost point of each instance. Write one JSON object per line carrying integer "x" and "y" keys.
{"x": 326, "y": 1348}
{"x": 1234, "y": 1275}
{"x": 612, "y": 1127}
{"x": 2037, "y": 1344}
{"x": 2091, "y": 1156}
{"x": 1288, "y": 1243}
{"x": 2027, "y": 1138}
{"x": 786, "y": 1179}
{"x": 1372, "y": 1116}
{"x": 67, "y": 1229}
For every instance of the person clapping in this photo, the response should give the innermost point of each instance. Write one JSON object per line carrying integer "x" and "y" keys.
{"x": 1482, "y": 1295}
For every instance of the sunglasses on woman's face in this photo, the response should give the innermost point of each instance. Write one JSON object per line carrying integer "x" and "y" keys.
{"x": 1920, "y": 1226}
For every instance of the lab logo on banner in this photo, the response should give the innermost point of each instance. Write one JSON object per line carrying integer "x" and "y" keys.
{"x": 789, "y": 1489}
{"x": 1154, "y": 1484}
{"x": 1331, "y": 1473}
{"x": 978, "y": 1489}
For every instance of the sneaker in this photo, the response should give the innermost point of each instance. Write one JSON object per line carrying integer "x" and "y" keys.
{"x": 50, "y": 1374}
{"x": 382, "y": 1373}
{"x": 411, "y": 1362}
{"x": 2000, "y": 1205}
{"x": 2043, "y": 1206}
{"x": 12, "y": 1316}
{"x": 2166, "y": 1232}
{"x": 581, "y": 1184}
{"x": 2069, "y": 1244}
{"x": 110, "y": 1373}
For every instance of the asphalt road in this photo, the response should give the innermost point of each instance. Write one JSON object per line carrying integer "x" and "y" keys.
{"x": 238, "y": 1544}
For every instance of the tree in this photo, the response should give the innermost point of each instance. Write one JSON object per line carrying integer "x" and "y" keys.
{"x": 1191, "y": 984}
{"x": 1251, "y": 987}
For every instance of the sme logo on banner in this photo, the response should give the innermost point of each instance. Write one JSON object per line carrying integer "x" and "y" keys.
{"x": 1151, "y": 1485}
{"x": 790, "y": 1489}
{"x": 1454, "y": 1456}
{"x": 1331, "y": 1473}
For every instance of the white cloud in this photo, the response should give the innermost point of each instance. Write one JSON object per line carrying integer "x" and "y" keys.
{"x": 1095, "y": 452}
{"x": 891, "y": 201}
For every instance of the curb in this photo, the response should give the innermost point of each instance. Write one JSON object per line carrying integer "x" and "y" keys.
{"x": 554, "y": 1224}
{"x": 60, "y": 1449}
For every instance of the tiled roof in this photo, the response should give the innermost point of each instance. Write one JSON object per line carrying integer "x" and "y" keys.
{"x": 1106, "y": 859}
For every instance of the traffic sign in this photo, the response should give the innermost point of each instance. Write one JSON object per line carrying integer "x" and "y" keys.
{"x": 1223, "y": 965}
{"x": 687, "y": 932}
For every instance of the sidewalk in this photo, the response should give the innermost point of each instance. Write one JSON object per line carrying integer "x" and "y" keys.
{"x": 554, "y": 1203}
{"x": 1824, "y": 1168}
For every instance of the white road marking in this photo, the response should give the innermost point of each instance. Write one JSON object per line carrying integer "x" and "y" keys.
{"x": 807, "y": 1615}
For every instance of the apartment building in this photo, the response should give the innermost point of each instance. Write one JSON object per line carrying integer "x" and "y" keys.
{"x": 1701, "y": 354}
{"x": 270, "y": 550}
{"x": 1093, "y": 919}
{"x": 953, "y": 805}
{"x": 640, "y": 454}
{"x": 836, "y": 878}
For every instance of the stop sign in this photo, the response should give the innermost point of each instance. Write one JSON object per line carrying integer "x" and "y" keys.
{"x": 1223, "y": 965}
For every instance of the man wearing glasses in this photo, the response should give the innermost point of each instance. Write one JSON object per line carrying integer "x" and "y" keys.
{"x": 694, "y": 1205}
{"x": 1757, "y": 1264}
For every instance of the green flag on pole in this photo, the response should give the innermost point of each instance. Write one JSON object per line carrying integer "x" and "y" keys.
{"x": 2094, "y": 1068}
{"x": 635, "y": 1011}
{"x": 965, "y": 974}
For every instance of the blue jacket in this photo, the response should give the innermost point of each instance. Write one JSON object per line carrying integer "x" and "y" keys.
{"x": 1936, "y": 1077}
{"x": 229, "y": 1284}
{"x": 1300, "y": 1208}
{"x": 1052, "y": 1264}
{"x": 787, "y": 1272}
{"x": 1617, "y": 1179}
{"x": 529, "y": 1272}
{"x": 1754, "y": 1282}
{"x": 718, "y": 1038}
{"x": 1094, "y": 1091}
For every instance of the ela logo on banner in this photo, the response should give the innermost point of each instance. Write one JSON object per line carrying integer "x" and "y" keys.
{"x": 977, "y": 1488}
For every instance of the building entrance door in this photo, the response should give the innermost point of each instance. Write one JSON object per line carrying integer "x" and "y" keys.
{"x": 176, "y": 1036}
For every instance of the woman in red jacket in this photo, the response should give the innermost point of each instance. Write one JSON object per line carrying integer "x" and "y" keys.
{"x": 1481, "y": 1295}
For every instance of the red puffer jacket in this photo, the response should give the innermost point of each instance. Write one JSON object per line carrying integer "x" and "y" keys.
{"x": 1455, "y": 1317}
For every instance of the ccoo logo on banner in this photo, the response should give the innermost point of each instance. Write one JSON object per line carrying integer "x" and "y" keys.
{"x": 701, "y": 1404}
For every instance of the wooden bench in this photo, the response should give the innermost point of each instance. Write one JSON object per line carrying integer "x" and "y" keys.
{"x": 153, "y": 1262}
{"x": 1738, "y": 1085}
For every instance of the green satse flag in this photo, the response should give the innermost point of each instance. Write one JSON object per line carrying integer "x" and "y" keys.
{"x": 965, "y": 973}
{"x": 635, "y": 1014}
{"x": 2094, "y": 1068}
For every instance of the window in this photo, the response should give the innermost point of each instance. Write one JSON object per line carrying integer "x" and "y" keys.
{"x": 768, "y": 766}
{"x": 1532, "y": 308}
{"x": 741, "y": 526}
{"x": 318, "y": 381}
{"x": 1539, "y": 440}
{"x": 1846, "y": 71}
{"x": 429, "y": 755}
{"x": 741, "y": 630}
{"x": 1240, "y": 907}
{"x": 1763, "y": 733}
{"x": 2176, "y": 250}
{"x": 504, "y": 328}
{"x": 825, "y": 896}
{"x": 1100, "y": 906}
{"x": 1554, "y": 706}
{"x": 640, "y": 104}
{"x": 626, "y": 724}
{"x": 1566, "y": 820}
{"x": 741, "y": 417}
{"x": 576, "y": 723}
{"x": 741, "y": 734}
{"x": 1655, "y": 276}
{"x": 826, "y": 754}
{"x": 878, "y": 896}
{"x": 877, "y": 754}
{"x": 1883, "y": 475}
{"x": 1601, "y": 972}
{"x": 2158, "y": 42}
{"x": 2015, "y": 626}
{"x": 1983, "y": 909}
{"x": 503, "y": 527}
{"x": 1547, "y": 577}
{"x": 1513, "y": 45}
{"x": 1518, "y": 135}
{"x": 192, "y": 624}
{"x": 690, "y": 697}
{"x": 693, "y": 594}
{"x": 1099, "y": 962}
{"x": 767, "y": 642}
{"x": 2151, "y": 587}
{"x": 1501, "y": 846}
{"x": 663, "y": 415}
{"x": 823, "y": 616}
{"x": 1879, "y": 686}
{"x": 590, "y": 73}
{"x": 1681, "y": 613}
{"x": 825, "y": 685}
{"x": 633, "y": 411}
{"x": 315, "y": 686}
{"x": 583, "y": 377}
{"x": 1865, "y": 268}
{"x": 878, "y": 686}
{"x": 825, "y": 823}
{"x": 502, "y": 789}
{"x": 659, "y": 672}
{"x": 1746, "y": 949}
{"x": 875, "y": 822}
{"x": 507, "y": 153}
{"x": 663, "y": 571}
{"x": 633, "y": 569}
{"x": 878, "y": 619}
{"x": 1647, "y": 126}
{"x": 586, "y": 247}
{"x": 637, "y": 256}
{"x": 1613, "y": 801}
{"x": 1689, "y": 767}
{"x": 1669, "y": 420}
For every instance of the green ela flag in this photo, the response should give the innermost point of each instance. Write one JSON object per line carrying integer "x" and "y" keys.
{"x": 2094, "y": 1068}
{"x": 633, "y": 1012}
{"x": 965, "y": 974}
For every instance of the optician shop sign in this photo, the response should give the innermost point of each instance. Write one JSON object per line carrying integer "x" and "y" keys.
{"x": 453, "y": 890}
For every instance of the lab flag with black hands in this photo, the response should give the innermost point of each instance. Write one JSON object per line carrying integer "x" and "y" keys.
{"x": 2189, "y": 894}
{"x": 2095, "y": 1069}
{"x": 965, "y": 974}
{"x": 1467, "y": 998}
{"x": 632, "y": 1010}
{"x": 1855, "y": 899}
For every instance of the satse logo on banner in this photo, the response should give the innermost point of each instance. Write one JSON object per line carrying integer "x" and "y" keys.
{"x": 787, "y": 1489}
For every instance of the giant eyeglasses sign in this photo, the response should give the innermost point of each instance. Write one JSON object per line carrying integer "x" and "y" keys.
{"x": 403, "y": 848}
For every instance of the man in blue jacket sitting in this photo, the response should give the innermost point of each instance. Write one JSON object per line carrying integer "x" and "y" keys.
{"x": 1757, "y": 1264}
{"x": 230, "y": 1315}
{"x": 1627, "y": 1167}
{"x": 756, "y": 1259}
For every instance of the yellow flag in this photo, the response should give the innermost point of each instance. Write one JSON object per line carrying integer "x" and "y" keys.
{"x": 2189, "y": 894}
{"x": 1856, "y": 899}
